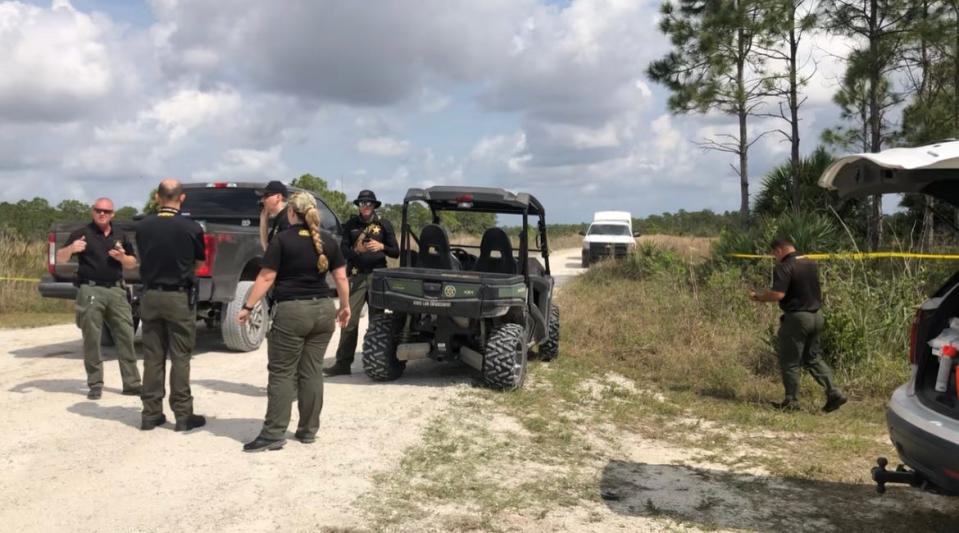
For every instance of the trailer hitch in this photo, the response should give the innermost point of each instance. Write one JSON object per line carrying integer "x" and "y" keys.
{"x": 900, "y": 475}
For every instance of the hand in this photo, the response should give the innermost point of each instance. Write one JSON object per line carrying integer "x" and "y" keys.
{"x": 374, "y": 246}
{"x": 343, "y": 316}
{"x": 117, "y": 254}
{"x": 242, "y": 316}
{"x": 79, "y": 245}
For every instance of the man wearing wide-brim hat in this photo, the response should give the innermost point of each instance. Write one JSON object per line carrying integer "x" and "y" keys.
{"x": 367, "y": 241}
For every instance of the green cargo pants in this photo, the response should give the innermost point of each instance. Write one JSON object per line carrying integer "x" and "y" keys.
{"x": 798, "y": 341}
{"x": 359, "y": 284}
{"x": 169, "y": 330}
{"x": 107, "y": 305}
{"x": 296, "y": 344}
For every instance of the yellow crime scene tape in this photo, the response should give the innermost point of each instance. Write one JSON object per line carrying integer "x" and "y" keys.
{"x": 4, "y": 278}
{"x": 859, "y": 256}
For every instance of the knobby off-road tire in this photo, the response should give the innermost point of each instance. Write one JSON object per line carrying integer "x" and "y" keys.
{"x": 504, "y": 363}
{"x": 379, "y": 350}
{"x": 585, "y": 262}
{"x": 549, "y": 349}
{"x": 244, "y": 337}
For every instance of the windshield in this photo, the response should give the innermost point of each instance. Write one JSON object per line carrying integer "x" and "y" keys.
{"x": 221, "y": 202}
{"x": 616, "y": 230}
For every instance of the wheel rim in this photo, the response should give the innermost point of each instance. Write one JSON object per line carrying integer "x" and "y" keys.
{"x": 518, "y": 359}
{"x": 255, "y": 322}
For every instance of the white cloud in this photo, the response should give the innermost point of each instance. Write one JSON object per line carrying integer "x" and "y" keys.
{"x": 239, "y": 164}
{"x": 56, "y": 62}
{"x": 383, "y": 146}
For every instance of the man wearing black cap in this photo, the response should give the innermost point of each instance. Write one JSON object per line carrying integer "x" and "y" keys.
{"x": 273, "y": 216}
{"x": 367, "y": 241}
{"x": 102, "y": 254}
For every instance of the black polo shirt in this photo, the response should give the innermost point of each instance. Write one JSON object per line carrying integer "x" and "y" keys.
{"x": 277, "y": 224}
{"x": 377, "y": 229}
{"x": 170, "y": 245}
{"x": 798, "y": 278}
{"x": 293, "y": 257}
{"x": 95, "y": 264}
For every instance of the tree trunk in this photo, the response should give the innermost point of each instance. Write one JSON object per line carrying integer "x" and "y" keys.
{"x": 928, "y": 223}
{"x": 743, "y": 142}
{"x": 875, "y": 123}
{"x": 955, "y": 74}
{"x": 794, "y": 110}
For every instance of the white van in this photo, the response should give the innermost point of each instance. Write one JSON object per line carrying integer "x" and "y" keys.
{"x": 610, "y": 235}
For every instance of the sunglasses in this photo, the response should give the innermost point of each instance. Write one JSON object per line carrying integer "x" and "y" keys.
{"x": 102, "y": 211}
{"x": 365, "y": 204}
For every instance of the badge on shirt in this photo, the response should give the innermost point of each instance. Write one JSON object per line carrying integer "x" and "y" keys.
{"x": 304, "y": 233}
{"x": 374, "y": 230}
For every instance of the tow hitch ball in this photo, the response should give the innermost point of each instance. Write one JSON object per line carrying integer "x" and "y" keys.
{"x": 900, "y": 475}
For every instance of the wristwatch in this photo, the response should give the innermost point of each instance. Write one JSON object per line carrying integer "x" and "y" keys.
{"x": 247, "y": 307}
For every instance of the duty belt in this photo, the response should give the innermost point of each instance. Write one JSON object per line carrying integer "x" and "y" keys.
{"x": 107, "y": 284}
{"x": 167, "y": 288}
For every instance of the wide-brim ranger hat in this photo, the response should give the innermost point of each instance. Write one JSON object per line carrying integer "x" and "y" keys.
{"x": 367, "y": 195}
{"x": 274, "y": 187}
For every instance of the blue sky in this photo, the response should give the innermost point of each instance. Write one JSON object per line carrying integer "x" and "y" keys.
{"x": 549, "y": 97}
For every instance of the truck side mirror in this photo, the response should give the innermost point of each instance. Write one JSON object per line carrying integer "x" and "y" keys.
{"x": 636, "y": 234}
{"x": 581, "y": 233}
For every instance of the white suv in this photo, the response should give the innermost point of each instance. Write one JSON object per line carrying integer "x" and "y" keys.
{"x": 923, "y": 422}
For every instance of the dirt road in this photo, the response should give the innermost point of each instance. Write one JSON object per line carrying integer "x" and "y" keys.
{"x": 70, "y": 464}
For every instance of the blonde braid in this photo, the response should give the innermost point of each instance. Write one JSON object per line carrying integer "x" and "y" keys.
{"x": 304, "y": 205}
{"x": 313, "y": 224}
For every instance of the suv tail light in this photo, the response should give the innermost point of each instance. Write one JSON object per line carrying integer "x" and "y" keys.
{"x": 914, "y": 336}
{"x": 206, "y": 269}
{"x": 52, "y": 253}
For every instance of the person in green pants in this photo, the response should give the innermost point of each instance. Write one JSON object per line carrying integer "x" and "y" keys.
{"x": 796, "y": 288}
{"x": 102, "y": 254}
{"x": 295, "y": 265}
{"x": 171, "y": 247}
{"x": 367, "y": 241}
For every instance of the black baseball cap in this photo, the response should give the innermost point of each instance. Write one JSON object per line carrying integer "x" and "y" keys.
{"x": 274, "y": 187}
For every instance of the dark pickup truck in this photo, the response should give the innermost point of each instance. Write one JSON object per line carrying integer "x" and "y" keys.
{"x": 229, "y": 213}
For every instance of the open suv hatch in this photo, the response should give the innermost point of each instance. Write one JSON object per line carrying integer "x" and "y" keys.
{"x": 923, "y": 423}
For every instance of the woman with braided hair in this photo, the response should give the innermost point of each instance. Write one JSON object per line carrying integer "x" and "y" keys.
{"x": 297, "y": 261}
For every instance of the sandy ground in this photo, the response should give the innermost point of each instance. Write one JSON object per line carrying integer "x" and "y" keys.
{"x": 70, "y": 464}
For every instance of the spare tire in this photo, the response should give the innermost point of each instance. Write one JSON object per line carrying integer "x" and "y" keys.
{"x": 248, "y": 336}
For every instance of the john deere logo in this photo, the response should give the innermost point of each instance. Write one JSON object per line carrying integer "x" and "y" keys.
{"x": 449, "y": 291}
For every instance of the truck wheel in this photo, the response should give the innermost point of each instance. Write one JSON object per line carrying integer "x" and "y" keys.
{"x": 504, "y": 364}
{"x": 585, "y": 260}
{"x": 244, "y": 337}
{"x": 549, "y": 349}
{"x": 379, "y": 350}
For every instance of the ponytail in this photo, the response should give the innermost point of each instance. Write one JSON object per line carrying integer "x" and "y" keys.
{"x": 312, "y": 217}
{"x": 304, "y": 205}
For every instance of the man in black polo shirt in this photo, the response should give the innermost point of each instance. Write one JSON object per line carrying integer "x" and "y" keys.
{"x": 171, "y": 248}
{"x": 367, "y": 241}
{"x": 273, "y": 217}
{"x": 796, "y": 288}
{"x": 102, "y": 256}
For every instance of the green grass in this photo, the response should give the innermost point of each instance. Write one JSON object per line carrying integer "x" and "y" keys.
{"x": 662, "y": 350}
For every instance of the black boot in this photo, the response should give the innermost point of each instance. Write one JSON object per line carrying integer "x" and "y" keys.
{"x": 787, "y": 405}
{"x": 190, "y": 422}
{"x": 261, "y": 444}
{"x": 147, "y": 425}
{"x": 336, "y": 369}
{"x": 834, "y": 401}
